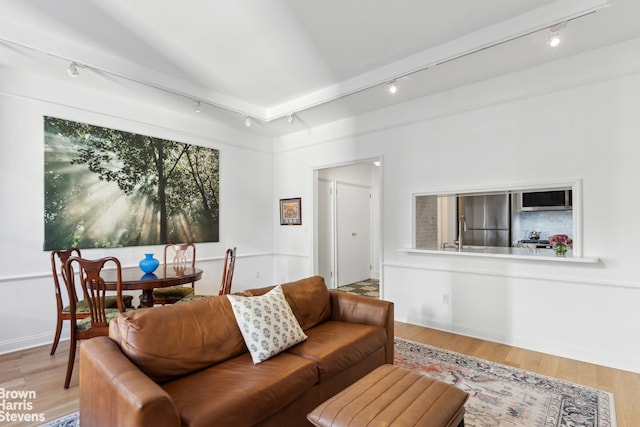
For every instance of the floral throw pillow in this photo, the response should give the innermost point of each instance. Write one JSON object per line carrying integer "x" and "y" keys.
{"x": 267, "y": 323}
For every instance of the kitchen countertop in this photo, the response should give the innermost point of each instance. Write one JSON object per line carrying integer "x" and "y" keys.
{"x": 536, "y": 254}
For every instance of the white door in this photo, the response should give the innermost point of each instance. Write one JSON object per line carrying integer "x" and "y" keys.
{"x": 353, "y": 230}
{"x": 326, "y": 232}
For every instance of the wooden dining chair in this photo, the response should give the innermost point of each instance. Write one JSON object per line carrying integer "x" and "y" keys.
{"x": 177, "y": 256}
{"x": 85, "y": 273}
{"x": 63, "y": 312}
{"x": 227, "y": 271}
{"x": 58, "y": 258}
{"x": 227, "y": 277}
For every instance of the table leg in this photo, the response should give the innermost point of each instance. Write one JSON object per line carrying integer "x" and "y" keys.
{"x": 147, "y": 298}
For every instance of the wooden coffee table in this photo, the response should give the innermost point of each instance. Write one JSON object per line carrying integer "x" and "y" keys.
{"x": 393, "y": 396}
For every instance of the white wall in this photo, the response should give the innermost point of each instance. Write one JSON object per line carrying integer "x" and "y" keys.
{"x": 578, "y": 118}
{"x": 27, "y": 309}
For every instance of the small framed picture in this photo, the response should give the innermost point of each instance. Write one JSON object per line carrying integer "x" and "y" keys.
{"x": 291, "y": 211}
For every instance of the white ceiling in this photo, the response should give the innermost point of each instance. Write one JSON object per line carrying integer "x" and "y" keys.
{"x": 322, "y": 60}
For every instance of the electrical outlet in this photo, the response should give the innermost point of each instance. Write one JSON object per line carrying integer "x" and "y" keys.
{"x": 445, "y": 298}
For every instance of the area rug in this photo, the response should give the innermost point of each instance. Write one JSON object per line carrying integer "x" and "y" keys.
{"x": 368, "y": 288}
{"x": 500, "y": 395}
{"x": 70, "y": 420}
{"x": 505, "y": 396}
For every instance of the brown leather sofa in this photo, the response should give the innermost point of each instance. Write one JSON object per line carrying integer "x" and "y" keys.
{"x": 187, "y": 364}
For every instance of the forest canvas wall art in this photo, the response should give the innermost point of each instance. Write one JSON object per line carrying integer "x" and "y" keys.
{"x": 110, "y": 188}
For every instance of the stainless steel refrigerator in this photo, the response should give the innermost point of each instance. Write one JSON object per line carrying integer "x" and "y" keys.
{"x": 487, "y": 220}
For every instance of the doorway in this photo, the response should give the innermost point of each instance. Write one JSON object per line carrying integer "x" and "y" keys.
{"x": 353, "y": 233}
{"x": 348, "y": 232}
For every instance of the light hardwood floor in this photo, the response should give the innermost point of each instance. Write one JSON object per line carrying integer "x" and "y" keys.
{"x": 624, "y": 385}
{"x": 34, "y": 369}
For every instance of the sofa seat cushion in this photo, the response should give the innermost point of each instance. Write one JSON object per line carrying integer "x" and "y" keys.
{"x": 239, "y": 393}
{"x": 337, "y": 346}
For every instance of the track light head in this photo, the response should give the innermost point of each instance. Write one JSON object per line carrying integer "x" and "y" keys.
{"x": 72, "y": 70}
{"x": 554, "y": 34}
{"x": 198, "y": 107}
{"x": 393, "y": 87}
{"x": 291, "y": 118}
{"x": 247, "y": 121}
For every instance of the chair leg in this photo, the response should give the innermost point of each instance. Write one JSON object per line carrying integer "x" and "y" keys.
{"x": 72, "y": 359}
{"x": 56, "y": 338}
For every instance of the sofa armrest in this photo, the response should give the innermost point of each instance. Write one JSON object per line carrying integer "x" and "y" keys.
{"x": 353, "y": 308}
{"x": 113, "y": 391}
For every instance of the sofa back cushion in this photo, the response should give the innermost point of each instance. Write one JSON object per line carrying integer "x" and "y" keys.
{"x": 175, "y": 340}
{"x": 309, "y": 300}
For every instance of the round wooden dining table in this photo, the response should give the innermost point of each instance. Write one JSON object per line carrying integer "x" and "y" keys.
{"x": 166, "y": 275}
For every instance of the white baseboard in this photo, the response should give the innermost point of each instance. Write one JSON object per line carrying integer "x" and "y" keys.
{"x": 22, "y": 343}
{"x": 593, "y": 355}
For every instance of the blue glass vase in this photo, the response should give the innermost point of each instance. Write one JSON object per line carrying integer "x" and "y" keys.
{"x": 148, "y": 264}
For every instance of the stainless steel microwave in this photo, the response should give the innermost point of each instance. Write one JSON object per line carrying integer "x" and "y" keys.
{"x": 551, "y": 200}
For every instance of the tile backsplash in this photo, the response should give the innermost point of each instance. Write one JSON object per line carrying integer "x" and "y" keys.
{"x": 547, "y": 223}
{"x": 426, "y": 222}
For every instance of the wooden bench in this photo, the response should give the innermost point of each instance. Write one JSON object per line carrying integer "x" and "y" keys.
{"x": 393, "y": 396}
